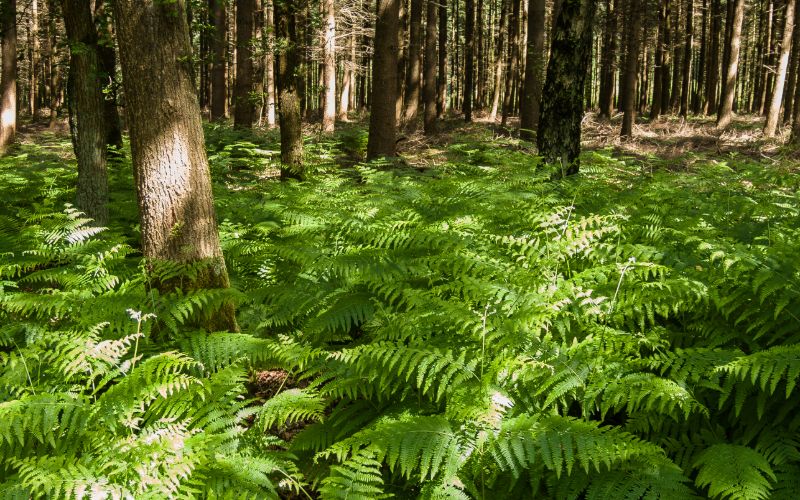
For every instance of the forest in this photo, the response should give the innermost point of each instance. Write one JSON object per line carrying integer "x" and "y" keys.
{"x": 370, "y": 249}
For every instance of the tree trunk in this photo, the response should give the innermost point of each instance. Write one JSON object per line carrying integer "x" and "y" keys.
{"x": 33, "y": 34}
{"x": 8, "y": 78}
{"x": 794, "y": 68}
{"x": 441, "y": 82}
{"x": 513, "y": 61}
{"x": 269, "y": 63}
{"x": 773, "y": 113}
{"x": 655, "y": 109}
{"x": 498, "y": 61}
{"x": 248, "y": 30}
{"x": 87, "y": 118}
{"x": 534, "y": 70}
{"x": 607, "y": 61}
{"x": 329, "y": 66}
{"x": 480, "y": 59}
{"x": 413, "y": 72}
{"x": 725, "y": 114}
{"x": 52, "y": 59}
{"x": 700, "y": 68}
{"x": 219, "y": 84}
{"x": 383, "y": 117}
{"x": 712, "y": 70}
{"x": 108, "y": 70}
{"x": 687, "y": 59}
{"x": 559, "y": 131}
{"x": 347, "y": 79}
{"x": 170, "y": 167}
{"x": 286, "y": 37}
{"x": 429, "y": 89}
{"x": 469, "y": 58}
{"x": 677, "y": 59}
{"x": 666, "y": 78}
{"x": 631, "y": 69}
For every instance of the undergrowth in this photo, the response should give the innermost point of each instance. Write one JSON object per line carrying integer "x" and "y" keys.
{"x": 469, "y": 331}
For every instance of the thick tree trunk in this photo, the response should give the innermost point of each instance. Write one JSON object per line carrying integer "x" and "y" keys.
{"x": 441, "y": 82}
{"x": 607, "y": 61}
{"x": 383, "y": 115}
{"x": 534, "y": 70}
{"x": 725, "y": 113}
{"x": 291, "y": 127}
{"x": 559, "y": 131}
{"x": 687, "y": 59}
{"x": 498, "y": 61}
{"x": 429, "y": 87}
{"x": 173, "y": 181}
{"x": 469, "y": 58}
{"x": 329, "y": 66}
{"x": 249, "y": 22}
{"x": 631, "y": 69}
{"x": 413, "y": 71}
{"x": 219, "y": 83}
{"x": 773, "y": 113}
{"x": 8, "y": 78}
{"x": 512, "y": 62}
{"x": 87, "y": 118}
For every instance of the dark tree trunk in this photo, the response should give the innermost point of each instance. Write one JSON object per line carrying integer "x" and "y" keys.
{"x": 687, "y": 59}
{"x": 607, "y": 61}
{"x": 666, "y": 78}
{"x": 725, "y": 113}
{"x": 8, "y": 78}
{"x": 249, "y": 21}
{"x": 559, "y": 131}
{"x": 774, "y": 110}
{"x": 469, "y": 58}
{"x": 712, "y": 69}
{"x": 429, "y": 88}
{"x": 329, "y": 66}
{"x": 697, "y": 93}
{"x": 383, "y": 116}
{"x": 512, "y": 62}
{"x": 173, "y": 181}
{"x": 87, "y": 117}
{"x": 441, "y": 82}
{"x": 52, "y": 58}
{"x": 287, "y": 38}
{"x": 677, "y": 60}
{"x": 655, "y": 109}
{"x": 631, "y": 69}
{"x": 534, "y": 70}
{"x": 219, "y": 83}
{"x": 108, "y": 65}
{"x": 480, "y": 59}
{"x": 411, "y": 98}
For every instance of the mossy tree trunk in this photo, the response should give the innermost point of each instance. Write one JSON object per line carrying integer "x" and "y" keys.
{"x": 559, "y": 131}
{"x": 289, "y": 109}
{"x": 173, "y": 182}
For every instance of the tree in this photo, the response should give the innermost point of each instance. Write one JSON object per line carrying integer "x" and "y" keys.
{"x": 269, "y": 62}
{"x": 173, "y": 182}
{"x": 687, "y": 59}
{"x": 498, "y": 60}
{"x": 431, "y": 61}
{"x": 712, "y": 70}
{"x": 534, "y": 70}
{"x": 329, "y": 66}
{"x": 87, "y": 113}
{"x": 608, "y": 61}
{"x": 469, "y": 58}
{"x": 249, "y": 23}
{"x": 559, "y": 131}
{"x": 383, "y": 97}
{"x": 512, "y": 62}
{"x": 655, "y": 109}
{"x": 291, "y": 127}
{"x": 219, "y": 82}
{"x": 733, "y": 43}
{"x": 441, "y": 82}
{"x": 412, "y": 87}
{"x": 8, "y": 75}
{"x": 631, "y": 69}
{"x": 773, "y": 113}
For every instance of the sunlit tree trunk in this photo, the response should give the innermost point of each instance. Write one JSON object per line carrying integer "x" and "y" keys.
{"x": 269, "y": 63}
{"x": 725, "y": 113}
{"x": 8, "y": 78}
{"x": 329, "y": 66}
{"x": 773, "y": 113}
{"x": 173, "y": 182}
{"x": 498, "y": 61}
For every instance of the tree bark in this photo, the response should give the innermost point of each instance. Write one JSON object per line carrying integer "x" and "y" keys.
{"x": 269, "y": 63}
{"x": 249, "y": 22}
{"x": 712, "y": 69}
{"x": 655, "y": 109}
{"x": 347, "y": 79}
{"x": 666, "y": 78}
{"x": 534, "y": 70}
{"x": 773, "y": 113}
{"x": 559, "y": 131}
{"x": 725, "y": 114}
{"x": 498, "y": 61}
{"x": 329, "y": 66}
{"x": 513, "y": 61}
{"x": 169, "y": 160}
{"x": 469, "y": 58}
{"x": 383, "y": 115}
{"x": 794, "y": 68}
{"x": 607, "y": 61}
{"x": 413, "y": 69}
{"x": 87, "y": 117}
{"x": 108, "y": 64}
{"x": 429, "y": 88}
{"x": 291, "y": 129}
{"x": 441, "y": 82}
{"x": 8, "y": 76}
{"x": 52, "y": 55}
{"x": 687, "y": 59}
{"x": 631, "y": 69}
{"x": 219, "y": 83}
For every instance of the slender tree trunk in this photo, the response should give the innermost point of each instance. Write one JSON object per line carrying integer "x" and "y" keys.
{"x": 171, "y": 170}
{"x": 347, "y": 79}
{"x": 480, "y": 59}
{"x": 383, "y": 116}
{"x": 712, "y": 69}
{"x": 631, "y": 69}
{"x": 725, "y": 113}
{"x": 666, "y": 79}
{"x": 469, "y": 58}
{"x": 687, "y": 59}
{"x": 412, "y": 88}
{"x": 431, "y": 61}
{"x": 287, "y": 38}
{"x": 766, "y": 68}
{"x": 773, "y": 113}
{"x": 700, "y": 69}
{"x": 655, "y": 109}
{"x": 269, "y": 63}
{"x": 677, "y": 60}
{"x": 108, "y": 71}
{"x": 498, "y": 64}
{"x": 513, "y": 61}
{"x": 219, "y": 83}
{"x": 559, "y": 131}
{"x": 87, "y": 110}
{"x": 8, "y": 79}
{"x": 34, "y": 58}
{"x": 607, "y": 61}
{"x": 402, "y": 60}
{"x": 441, "y": 82}
{"x": 534, "y": 70}
{"x": 794, "y": 68}
{"x": 329, "y": 66}
{"x": 248, "y": 19}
